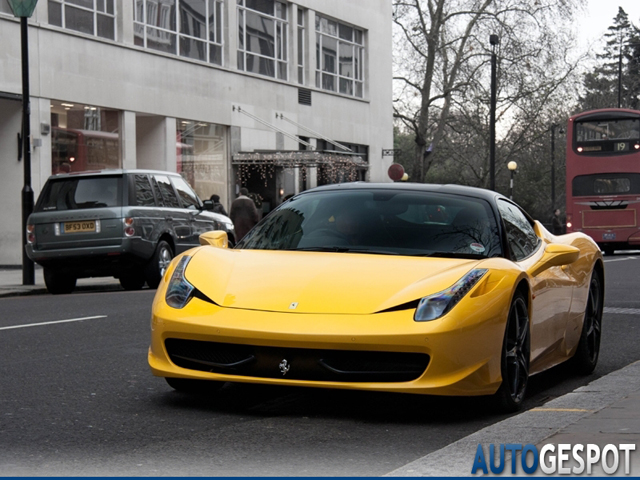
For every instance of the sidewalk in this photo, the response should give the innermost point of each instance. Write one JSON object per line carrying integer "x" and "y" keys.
{"x": 606, "y": 411}
{"x": 11, "y": 283}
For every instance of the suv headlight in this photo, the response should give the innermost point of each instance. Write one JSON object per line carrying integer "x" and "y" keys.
{"x": 179, "y": 290}
{"x": 436, "y": 305}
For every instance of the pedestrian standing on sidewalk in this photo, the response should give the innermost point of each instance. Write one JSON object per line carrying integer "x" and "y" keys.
{"x": 243, "y": 214}
{"x": 217, "y": 206}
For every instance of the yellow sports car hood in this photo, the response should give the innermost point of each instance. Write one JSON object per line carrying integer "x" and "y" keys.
{"x": 318, "y": 282}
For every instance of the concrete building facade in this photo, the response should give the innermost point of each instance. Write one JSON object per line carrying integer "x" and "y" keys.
{"x": 274, "y": 95}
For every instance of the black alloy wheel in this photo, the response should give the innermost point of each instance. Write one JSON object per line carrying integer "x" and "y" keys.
{"x": 586, "y": 357}
{"x": 516, "y": 355}
{"x": 158, "y": 264}
{"x": 58, "y": 283}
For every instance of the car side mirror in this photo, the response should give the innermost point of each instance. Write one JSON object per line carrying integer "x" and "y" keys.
{"x": 207, "y": 204}
{"x": 555, "y": 255}
{"x": 215, "y": 238}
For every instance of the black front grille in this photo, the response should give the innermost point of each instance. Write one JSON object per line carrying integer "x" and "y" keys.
{"x": 303, "y": 364}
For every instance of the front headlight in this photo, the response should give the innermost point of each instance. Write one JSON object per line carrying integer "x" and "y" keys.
{"x": 436, "y": 305}
{"x": 179, "y": 290}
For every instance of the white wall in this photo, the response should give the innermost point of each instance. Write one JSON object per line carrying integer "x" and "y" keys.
{"x": 12, "y": 178}
{"x": 153, "y": 89}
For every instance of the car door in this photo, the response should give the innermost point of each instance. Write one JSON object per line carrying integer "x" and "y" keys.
{"x": 200, "y": 221}
{"x": 177, "y": 219}
{"x": 551, "y": 289}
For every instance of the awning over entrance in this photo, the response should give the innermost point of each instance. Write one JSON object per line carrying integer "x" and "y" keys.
{"x": 300, "y": 158}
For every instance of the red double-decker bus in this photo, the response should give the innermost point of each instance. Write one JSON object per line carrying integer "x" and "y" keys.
{"x": 603, "y": 177}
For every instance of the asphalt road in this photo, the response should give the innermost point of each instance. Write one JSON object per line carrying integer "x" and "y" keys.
{"x": 77, "y": 398}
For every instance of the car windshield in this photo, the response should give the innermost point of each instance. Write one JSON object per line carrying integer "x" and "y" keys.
{"x": 80, "y": 192}
{"x": 380, "y": 221}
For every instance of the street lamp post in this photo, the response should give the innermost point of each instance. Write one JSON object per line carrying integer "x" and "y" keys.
{"x": 553, "y": 167}
{"x": 493, "y": 40}
{"x": 23, "y": 9}
{"x": 620, "y": 77}
{"x": 512, "y": 168}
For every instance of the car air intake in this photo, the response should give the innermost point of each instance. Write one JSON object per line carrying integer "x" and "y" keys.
{"x": 296, "y": 363}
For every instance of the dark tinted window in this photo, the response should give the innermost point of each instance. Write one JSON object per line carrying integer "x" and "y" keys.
{"x": 188, "y": 198}
{"x": 83, "y": 192}
{"x": 380, "y": 221}
{"x": 606, "y": 184}
{"x": 521, "y": 237}
{"x": 606, "y": 135}
{"x": 169, "y": 197}
{"x": 144, "y": 194}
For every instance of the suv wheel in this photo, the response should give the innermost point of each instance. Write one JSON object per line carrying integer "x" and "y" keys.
{"x": 58, "y": 282}
{"x": 158, "y": 264}
{"x": 132, "y": 281}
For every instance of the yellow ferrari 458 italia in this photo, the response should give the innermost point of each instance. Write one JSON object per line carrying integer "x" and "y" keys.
{"x": 428, "y": 289}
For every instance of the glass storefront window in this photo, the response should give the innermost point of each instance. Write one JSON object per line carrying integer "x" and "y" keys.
{"x": 84, "y": 137}
{"x": 202, "y": 158}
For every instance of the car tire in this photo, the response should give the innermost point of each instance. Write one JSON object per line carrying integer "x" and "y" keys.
{"x": 158, "y": 264}
{"x": 515, "y": 356}
{"x": 586, "y": 356}
{"x": 132, "y": 281}
{"x": 187, "y": 385}
{"x": 58, "y": 283}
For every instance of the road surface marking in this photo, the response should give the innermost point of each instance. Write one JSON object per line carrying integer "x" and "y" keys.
{"x": 607, "y": 260}
{"x": 53, "y": 322}
{"x": 625, "y": 311}
{"x": 541, "y": 409}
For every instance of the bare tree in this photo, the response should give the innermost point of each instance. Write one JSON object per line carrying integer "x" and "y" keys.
{"x": 442, "y": 81}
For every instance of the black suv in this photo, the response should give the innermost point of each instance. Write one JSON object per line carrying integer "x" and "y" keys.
{"x": 128, "y": 224}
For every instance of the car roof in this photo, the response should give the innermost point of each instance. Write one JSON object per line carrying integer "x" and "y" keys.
{"x": 451, "y": 189}
{"x": 110, "y": 171}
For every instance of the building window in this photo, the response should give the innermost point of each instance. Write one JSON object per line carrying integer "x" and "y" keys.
{"x": 189, "y": 28}
{"x": 301, "y": 46}
{"x": 5, "y": 8}
{"x": 339, "y": 57}
{"x": 84, "y": 137}
{"x": 202, "y": 157}
{"x": 262, "y": 42}
{"x": 93, "y": 17}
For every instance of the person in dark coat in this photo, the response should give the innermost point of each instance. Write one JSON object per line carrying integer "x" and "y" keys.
{"x": 217, "y": 206}
{"x": 556, "y": 224}
{"x": 244, "y": 214}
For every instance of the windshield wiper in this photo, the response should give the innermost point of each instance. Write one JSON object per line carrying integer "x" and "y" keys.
{"x": 471, "y": 256}
{"x": 320, "y": 249}
{"x": 344, "y": 250}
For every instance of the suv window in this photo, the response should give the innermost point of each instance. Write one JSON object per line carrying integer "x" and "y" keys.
{"x": 75, "y": 193}
{"x": 187, "y": 196}
{"x": 521, "y": 237}
{"x": 144, "y": 194}
{"x": 169, "y": 198}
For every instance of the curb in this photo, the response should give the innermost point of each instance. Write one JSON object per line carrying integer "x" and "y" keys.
{"x": 532, "y": 426}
